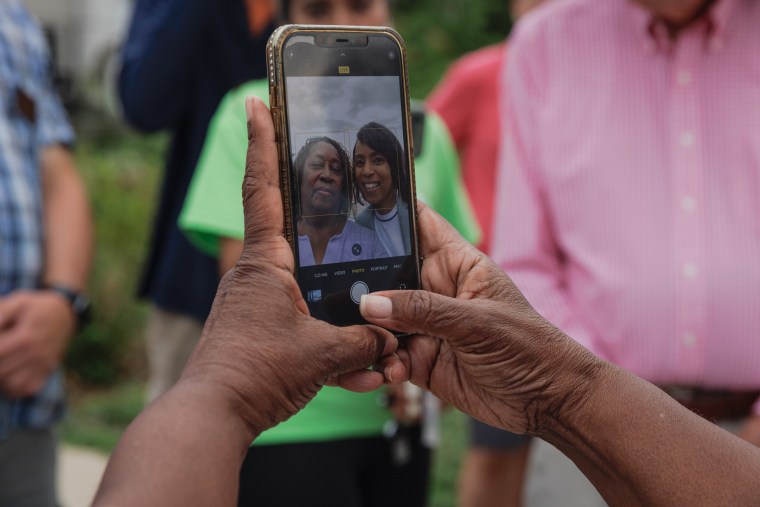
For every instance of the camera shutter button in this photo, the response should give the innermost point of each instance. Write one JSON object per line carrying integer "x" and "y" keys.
{"x": 358, "y": 289}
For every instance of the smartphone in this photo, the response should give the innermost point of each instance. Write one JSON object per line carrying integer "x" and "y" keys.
{"x": 340, "y": 103}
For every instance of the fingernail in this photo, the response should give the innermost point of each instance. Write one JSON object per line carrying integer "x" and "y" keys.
{"x": 249, "y": 101}
{"x": 389, "y": 374}
{"x": 378, "y": 307}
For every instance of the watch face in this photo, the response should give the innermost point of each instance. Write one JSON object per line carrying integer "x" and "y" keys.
{"x": 80, "y": 304}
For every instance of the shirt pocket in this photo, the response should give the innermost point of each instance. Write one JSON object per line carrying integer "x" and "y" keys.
{"x": 19, "y": 116}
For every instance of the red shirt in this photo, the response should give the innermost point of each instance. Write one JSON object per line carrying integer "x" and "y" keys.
{"x": 467, "y": 100}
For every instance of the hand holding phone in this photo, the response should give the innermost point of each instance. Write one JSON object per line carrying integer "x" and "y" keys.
{"x": 339, "y": 100}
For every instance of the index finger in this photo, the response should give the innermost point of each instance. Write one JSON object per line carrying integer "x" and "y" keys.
{"x": 262, "y": 202}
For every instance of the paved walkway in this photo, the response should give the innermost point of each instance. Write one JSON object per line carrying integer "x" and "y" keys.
{"x": 79, "y": 473}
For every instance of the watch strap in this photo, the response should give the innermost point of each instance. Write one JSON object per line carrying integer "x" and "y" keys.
{"x": 80, "y": 303}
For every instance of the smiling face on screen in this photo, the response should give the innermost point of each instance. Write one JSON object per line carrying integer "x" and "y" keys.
{"x": 373, "y": 177}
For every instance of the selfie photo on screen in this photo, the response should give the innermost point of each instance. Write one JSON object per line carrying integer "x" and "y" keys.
{"x": 350, "y": 206}
{"x": 325, "y": 235}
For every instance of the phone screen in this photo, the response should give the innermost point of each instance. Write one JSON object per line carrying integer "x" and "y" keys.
{"x": 351, "y": 180}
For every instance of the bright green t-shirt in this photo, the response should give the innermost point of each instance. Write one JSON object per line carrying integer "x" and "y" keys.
{"x": 214, "y": 209}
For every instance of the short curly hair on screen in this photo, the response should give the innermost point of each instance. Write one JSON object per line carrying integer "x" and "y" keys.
{"x": 300, "y": 164}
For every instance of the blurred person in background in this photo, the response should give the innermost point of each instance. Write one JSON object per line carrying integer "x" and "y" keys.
{"x": 628, "y": 204}
{"x": 344, "y": 448}
{"x": 179, "y": 59}
{"x": 45, "y": 255}
{"x": 467, "y": 99}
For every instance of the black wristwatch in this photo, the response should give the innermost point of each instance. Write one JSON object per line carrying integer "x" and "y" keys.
{"x": 80, "y": 303}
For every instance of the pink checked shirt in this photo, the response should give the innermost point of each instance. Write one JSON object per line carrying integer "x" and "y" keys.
{"x": 628, "y": 202}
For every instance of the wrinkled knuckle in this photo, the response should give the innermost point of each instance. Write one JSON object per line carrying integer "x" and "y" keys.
{"x": 419, "y": 308}
{"x": 332, "y": 360}
{"x": 253, "y": 181}
{"x": 249, "y": 191}
{"x": 364, "y": 344}
{"x": 248, "y": 268}
{"x": 226, "y": 280}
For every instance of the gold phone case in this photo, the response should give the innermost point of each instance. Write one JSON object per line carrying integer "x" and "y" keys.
{"x": 282, "y": 135}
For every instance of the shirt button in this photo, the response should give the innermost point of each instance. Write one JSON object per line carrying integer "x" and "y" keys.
{"x": 688, "y": 203}
{"x": 684, "y": 78}
{"x": 689, "y": 270}
{"x": 689, "y": 339}
{"x": 687, "y": 139}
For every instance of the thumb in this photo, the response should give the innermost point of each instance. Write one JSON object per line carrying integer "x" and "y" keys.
{"x": 419, "y": 312}
{"x": 262, "y": 203}
{"x": 358, "y": 347}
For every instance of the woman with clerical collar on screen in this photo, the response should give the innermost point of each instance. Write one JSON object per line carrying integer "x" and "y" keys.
{"x": 379, "y": 174}
{"x": 325, "y": 235}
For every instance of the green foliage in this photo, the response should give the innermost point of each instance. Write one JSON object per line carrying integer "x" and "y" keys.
{"x": 98, "y": 419}
{"x": 120, "y": 170}
{"x": 439, "y": 31}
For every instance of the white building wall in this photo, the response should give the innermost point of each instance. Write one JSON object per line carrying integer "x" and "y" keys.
{"x": 105, "y": 25}
{"x": 84, "y": 29}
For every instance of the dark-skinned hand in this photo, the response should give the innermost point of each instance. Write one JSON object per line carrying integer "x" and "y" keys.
{"x": 476, "y": 342}
{"x": 35, "y": 327}
{"x": 259, "y": 343}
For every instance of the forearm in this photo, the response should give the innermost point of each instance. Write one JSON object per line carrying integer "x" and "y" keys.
{"x": 639, "y": 447}
{"x": 184, "y": 449}
{"x": 68, "y": 221}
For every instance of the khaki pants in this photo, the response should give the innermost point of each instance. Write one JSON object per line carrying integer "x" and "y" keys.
{"x": 170, "y": 338}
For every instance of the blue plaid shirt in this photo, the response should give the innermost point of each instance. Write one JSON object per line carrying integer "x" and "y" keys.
{"x": 31, "y": 117}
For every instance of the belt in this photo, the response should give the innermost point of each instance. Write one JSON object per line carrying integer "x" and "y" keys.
{"x": 714, "y": 405}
